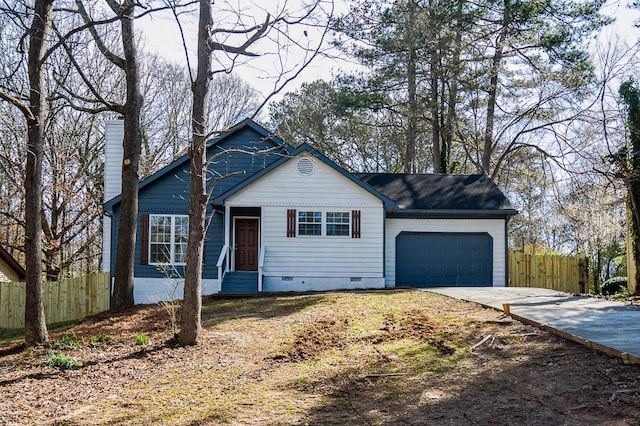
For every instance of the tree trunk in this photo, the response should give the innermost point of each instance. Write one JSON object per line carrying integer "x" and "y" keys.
{"x": 412, "y": 117}
{"x": 435, "y": 99}
{"x": 35, "y": 325}
{"x": 190, "y": 322}
{"x": 132, "y": 144}
{"x": 494, "y": 72}
{"x": 631, "y": 97}
{"x": 453, "y": 83}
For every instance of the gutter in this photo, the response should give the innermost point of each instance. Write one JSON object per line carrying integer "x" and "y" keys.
{"x": 450, "y": 213}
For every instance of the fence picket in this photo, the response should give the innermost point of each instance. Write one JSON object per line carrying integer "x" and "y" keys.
{"x": 554, "y": 272}
{"x": 64, "y": 300}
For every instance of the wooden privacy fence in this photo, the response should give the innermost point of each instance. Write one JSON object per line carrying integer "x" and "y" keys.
{"x": 555, "y": 272}
{"x": 64, "y": 300}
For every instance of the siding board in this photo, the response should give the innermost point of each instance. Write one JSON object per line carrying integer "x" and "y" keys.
{"x": 169, "y": 194}
{"x": 325, "y": 190}
{"x": 494, "y": 227}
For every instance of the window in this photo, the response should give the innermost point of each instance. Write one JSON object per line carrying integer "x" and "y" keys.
{"x": 309, "y": 223}
{"x": 168, "y": 239}
{"x": 337, "y": 224}
{"x": 331, "y": 224}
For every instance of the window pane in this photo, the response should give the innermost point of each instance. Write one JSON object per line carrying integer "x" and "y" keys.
{"x": 309, "y": 223}
{"x": 160, "y": 253}
{"x": 162, "y": 240}
{"x": 338, "y": 223}
{"x": 181, "y": 253}
{"x": 181, "y": 234}
{"x": 309, "y": 229}
{"x": 160, "y": 229}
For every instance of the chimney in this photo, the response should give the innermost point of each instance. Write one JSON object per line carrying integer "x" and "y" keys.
{"x": 113, "y": 135}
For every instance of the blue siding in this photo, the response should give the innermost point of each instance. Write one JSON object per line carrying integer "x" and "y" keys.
{"x": 170, "y": 193}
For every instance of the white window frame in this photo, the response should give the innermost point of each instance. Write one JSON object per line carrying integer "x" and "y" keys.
{"x": 347, "y": 223}
{"x": 300, "y": 222}
{"x": 172, "y": 238}
{"x": 323, "y": 223}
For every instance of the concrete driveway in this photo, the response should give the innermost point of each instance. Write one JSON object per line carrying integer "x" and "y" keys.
{"x": 611, "y": 327}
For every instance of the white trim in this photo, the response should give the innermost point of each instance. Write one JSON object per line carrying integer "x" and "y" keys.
{"x": 233, "y": 247}
{"x": 154, "y": 290}
{"x": 314, "y": 283}
{"x": 172, "y": 249}
{"x": 227, "y": 237}
{"x": 106, "y": 244}
{"x": 302, "y": 204}
{"x": 323, "y": 223}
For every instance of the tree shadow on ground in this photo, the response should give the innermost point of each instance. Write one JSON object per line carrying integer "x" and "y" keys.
{"x": 558, "y": 382}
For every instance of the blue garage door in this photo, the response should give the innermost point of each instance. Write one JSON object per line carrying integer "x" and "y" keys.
{"x": 444, "y": 259}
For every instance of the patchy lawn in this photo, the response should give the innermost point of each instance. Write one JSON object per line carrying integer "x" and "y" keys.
{"x": 393, "y": 357}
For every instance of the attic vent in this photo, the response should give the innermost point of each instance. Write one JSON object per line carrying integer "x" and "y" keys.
{"x": 305, "y": 166}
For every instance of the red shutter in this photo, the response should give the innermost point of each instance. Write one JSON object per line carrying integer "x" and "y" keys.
{"x": 291, "y": 223}
{"x": 144, "y": 239}
{"x": 355, "y": 223}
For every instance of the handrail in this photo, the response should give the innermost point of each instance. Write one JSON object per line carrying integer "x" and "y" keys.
{"x": 263, "y": 251}
{"x": 223, "y": 254}
{"x": 221, "y": 262}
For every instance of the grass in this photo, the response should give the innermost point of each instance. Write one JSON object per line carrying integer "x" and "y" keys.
{"x": 62, "y": 361}
{"x": 260, "y": 380}
{"x": 303, "y": 358}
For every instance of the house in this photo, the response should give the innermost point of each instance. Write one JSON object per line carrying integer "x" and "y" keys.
{"x": 10, "y": 269}
{"x": 289, "y": 219}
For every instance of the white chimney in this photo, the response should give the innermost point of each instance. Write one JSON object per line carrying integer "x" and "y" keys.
{"x": 113, "y": 136}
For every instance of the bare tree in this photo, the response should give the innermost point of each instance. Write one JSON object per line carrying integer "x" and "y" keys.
{"x": 212, "y": 40}
{"x": 34, "y": 108}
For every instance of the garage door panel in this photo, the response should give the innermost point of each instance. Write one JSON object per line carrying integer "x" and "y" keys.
{"x": 444, "y": 259}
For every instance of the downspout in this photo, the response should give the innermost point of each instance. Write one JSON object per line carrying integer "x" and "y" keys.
{"x": 384, "y": 244}
{"x": 506, "y": 251}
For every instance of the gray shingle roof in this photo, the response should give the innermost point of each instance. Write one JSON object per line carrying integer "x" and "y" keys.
{"x": 439, "y": 191}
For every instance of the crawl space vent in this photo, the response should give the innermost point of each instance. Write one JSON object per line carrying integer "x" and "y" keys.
{"x": 305, "y": 166}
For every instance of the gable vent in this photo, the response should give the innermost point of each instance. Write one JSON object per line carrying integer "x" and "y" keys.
{"x": 305, "y": 166}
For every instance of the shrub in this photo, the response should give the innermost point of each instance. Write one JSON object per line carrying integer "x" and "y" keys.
{"x": 101, "y": 338}
{"x": 68, "y": 341}
{"x": 614, "y": 285}
{"x": 140, "y": 340}
{"x": 60, "y": 360}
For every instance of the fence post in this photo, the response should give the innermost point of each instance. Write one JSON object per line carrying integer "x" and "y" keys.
{"x": 583, "y": 278}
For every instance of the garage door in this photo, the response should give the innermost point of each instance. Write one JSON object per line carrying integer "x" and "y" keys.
{"x": 444, "y": 259}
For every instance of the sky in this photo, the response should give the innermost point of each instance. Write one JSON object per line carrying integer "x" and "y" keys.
{"x": 282, "y": 51}
{"x": 281, "y": 54}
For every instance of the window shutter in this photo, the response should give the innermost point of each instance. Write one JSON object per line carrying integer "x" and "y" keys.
{"x": 144, "y": 239}
{"x": 291, "y": 223}
{"x": 355, "y": 223}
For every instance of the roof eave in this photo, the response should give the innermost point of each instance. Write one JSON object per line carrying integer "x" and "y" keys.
{"x": 451, "y": 213}
{"x": 247, "y": 122}
{"x": 387, "y": 202}
{"x": 13, "y": 263}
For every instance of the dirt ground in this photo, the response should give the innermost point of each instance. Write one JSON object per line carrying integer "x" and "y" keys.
{"x": 393, "y": 357}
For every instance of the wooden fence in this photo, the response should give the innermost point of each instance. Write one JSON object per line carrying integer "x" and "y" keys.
{"x": 64, "y": 300}
{"x": 556, "y": 272}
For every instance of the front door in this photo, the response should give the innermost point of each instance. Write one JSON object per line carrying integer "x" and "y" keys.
{"x": 246, "y": 241}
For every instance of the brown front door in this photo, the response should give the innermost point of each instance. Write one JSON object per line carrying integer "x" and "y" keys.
{"x": 246, "y": 240}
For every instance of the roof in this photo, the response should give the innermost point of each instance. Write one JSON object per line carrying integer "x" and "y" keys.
{"x": 108, "y": 206}
{"x": 219, "y": 200}
{"x": 440, "y": 192}
{"x": 13, "y": 264}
